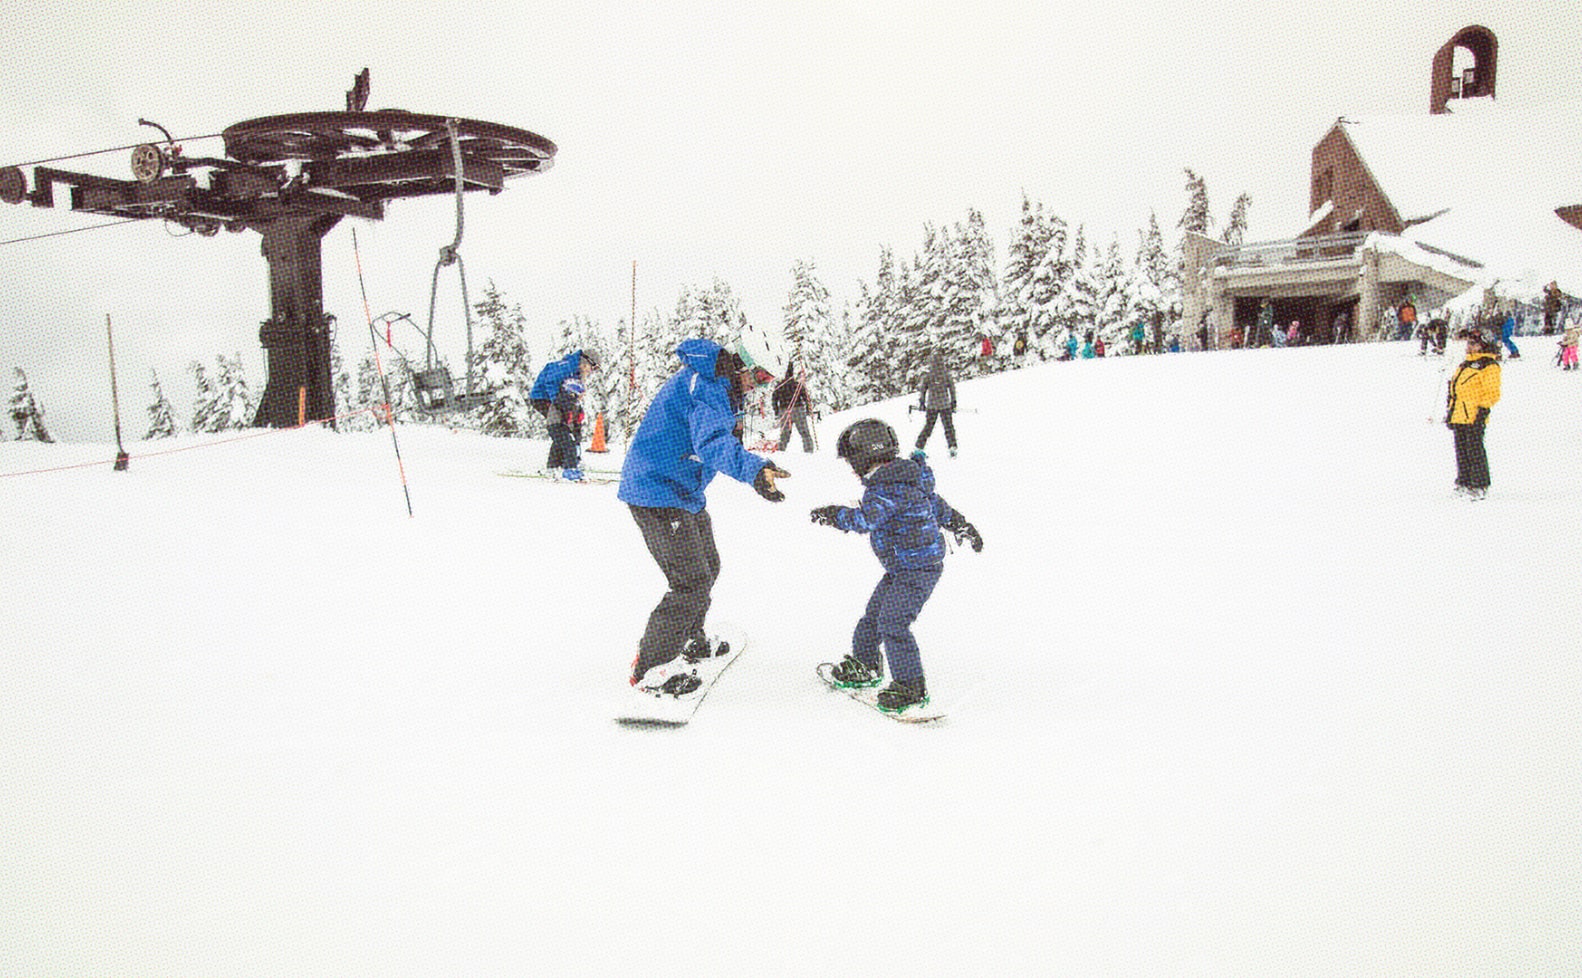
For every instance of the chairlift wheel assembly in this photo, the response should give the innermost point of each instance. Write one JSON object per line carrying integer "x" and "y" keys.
{"x": 13, "y": 185}
{"x": 321, "y": 136}
{"x": 148, "y": 162}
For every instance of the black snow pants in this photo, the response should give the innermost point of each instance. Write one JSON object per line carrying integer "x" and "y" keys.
{"x": 928, "y": 428}
{"x": 1472, "y": 461}
{"x": 682, "y": 544}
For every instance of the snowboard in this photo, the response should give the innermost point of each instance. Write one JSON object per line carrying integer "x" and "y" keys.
{"x": 869, "y": 697}
{"x": 663, "y": 710}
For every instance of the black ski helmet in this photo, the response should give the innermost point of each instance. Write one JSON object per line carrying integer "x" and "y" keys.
{"x": 1484, "y": 335}
{"x": 867, "y": 442}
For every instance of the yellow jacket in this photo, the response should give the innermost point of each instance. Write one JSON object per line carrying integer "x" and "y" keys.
{"x": 1474, "y": 389}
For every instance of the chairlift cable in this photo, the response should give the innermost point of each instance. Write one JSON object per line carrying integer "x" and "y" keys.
{"x": 112, "y": 149}
{"x": 56, "y": 234}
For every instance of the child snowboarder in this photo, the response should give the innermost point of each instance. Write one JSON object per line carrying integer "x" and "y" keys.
{"x": 902, "y": 516}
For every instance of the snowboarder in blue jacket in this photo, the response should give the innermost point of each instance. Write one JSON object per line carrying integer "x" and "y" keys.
{"x": 688, "y": 435}
{"x": 902, "y": 516}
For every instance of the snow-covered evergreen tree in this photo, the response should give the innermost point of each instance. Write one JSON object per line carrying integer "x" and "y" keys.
{"x": 361, "y": 404}
{"x": 222, "y": 401}
{"x": 1156, "y": 276}
{"x": 161, "y": 414}
{"x": 970, "y": 296}
{"x": 234, "y": 405}
{"x": 617, "y": 383}
{"x": 1196, "y": 216}
{"x": 919, "y": 312}
{"x": 26, "y": 413}
{"x": 834, "y": 347}
{"x": 658, "y": 336}
{"x": 814, "y": 342}
{"x": 806, "y": 312}
{"x": 501, "y": 364}
{"x": 1084, "y": 286}
{"x": 869, "y": 375}
{"x": 1112, "y": 296}
{"x": 1037, "y": 291}
{"x": 1027, "y": 249}
{"x": 204, "y": 400}
{"x": 341, "y": 380}
{"x": 1236, "y": 227}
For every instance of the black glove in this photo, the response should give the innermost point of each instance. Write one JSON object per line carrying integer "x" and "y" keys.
{"x": 825, "y": 515}
{"x": 963, "y": 531}
{"x": 764, "y": 482}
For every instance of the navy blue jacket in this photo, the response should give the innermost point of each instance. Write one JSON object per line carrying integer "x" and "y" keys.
{"x": 901, "y": 514}
{"x": 686, "y": 437}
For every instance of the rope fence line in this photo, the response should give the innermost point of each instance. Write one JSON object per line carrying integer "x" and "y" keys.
{"x": 377, "y": 410}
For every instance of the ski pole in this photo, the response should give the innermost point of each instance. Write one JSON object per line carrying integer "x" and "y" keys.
{"x": 389, "y": 410}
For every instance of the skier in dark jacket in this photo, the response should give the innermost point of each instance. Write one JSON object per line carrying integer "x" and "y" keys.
{"x": 902, "y": 516}
{"x": 687, "y": 436}
{"x": 790, "y": 404}
{"x": 938, "y": 400}
{"x": 557, "y": 394}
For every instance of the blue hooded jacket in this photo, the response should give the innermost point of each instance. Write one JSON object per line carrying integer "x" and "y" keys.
{"x": 547, "y": 384}
{"x": 686, "y": 437}
{"x": 901, "y": 514}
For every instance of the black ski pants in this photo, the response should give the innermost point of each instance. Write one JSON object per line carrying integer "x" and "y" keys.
{"x": 928, "y": 428}
{"x": 562, "y": 447}
{"x": 1472, "y": 461}
{"x": 682, "y": 544}
{"x": 796, "y": 415}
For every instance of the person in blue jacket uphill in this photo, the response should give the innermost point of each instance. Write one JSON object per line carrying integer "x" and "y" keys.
{"x": 557, "y": 395}
{"x": 687, "y": 436}
{"x": 902, "y": 516}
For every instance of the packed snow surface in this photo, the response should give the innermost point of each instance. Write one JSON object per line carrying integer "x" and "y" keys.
{"x": 1237, "y": 686}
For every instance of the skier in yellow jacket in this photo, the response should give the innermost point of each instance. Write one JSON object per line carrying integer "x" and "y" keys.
{"x": 1474, "y": 390}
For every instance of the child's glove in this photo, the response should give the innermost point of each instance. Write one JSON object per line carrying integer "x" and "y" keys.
{"x": 825, "y": 515}
{"x": 764, "y": 482}
{"x": 964, "y": 532}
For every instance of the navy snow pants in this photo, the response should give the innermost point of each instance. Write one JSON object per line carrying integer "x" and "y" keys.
{"x": 892, "y": 608}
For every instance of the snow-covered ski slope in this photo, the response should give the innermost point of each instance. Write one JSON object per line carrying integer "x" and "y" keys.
{"x": 1236, "y": 687}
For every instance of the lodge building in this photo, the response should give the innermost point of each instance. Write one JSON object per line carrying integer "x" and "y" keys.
{"x": 1405, "y": 207}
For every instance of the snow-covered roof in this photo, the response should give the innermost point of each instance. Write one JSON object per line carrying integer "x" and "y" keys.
{"x": 1483, "y": 180}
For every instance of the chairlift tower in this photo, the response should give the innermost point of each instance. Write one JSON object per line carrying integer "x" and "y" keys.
{"x": 292, "y": 178}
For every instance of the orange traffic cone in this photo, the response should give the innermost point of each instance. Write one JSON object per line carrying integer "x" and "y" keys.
{"x": 598, "y": 434}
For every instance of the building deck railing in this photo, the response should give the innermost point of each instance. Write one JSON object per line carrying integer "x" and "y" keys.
{"x": 1325, "y": 247}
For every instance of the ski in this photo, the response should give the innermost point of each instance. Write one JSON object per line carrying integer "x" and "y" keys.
{"x": 662, "y": 710}
{"x": 869, "y": 697}
{"x": 588, "y": 478}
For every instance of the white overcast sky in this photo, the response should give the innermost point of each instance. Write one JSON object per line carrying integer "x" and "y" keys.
{"x": 697, "y": 139}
